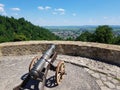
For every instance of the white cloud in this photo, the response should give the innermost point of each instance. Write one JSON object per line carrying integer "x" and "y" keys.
{"x": 47, "y": 7}
{"x": 60, "y": 11}
{"x": 41, "y": 8}
{"x": 1, "y": 9}
{"x": 74, "y": 14}
{"x": 44, "y": 8}
{"x": 1, "y": 5}
{"x": 15, "y": 9}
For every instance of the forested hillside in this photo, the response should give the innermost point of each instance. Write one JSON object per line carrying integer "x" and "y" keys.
{"x": 12, "y": 29}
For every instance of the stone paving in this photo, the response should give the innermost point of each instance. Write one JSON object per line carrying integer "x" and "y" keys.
{"x": 107, "y": 76}
{"x": 14, "y": 68}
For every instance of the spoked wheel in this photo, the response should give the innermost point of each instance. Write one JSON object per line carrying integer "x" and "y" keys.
{"x": 60, "y": 71}
{"x": 32, "y": 63}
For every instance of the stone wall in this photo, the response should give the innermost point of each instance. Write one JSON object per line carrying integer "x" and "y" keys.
{"x": 105, "y": 52}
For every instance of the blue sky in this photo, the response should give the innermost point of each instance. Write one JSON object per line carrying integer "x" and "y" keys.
{"x": 64, "y": 12}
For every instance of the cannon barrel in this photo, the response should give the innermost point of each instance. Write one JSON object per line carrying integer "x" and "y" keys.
{"x": 38, "y": 67}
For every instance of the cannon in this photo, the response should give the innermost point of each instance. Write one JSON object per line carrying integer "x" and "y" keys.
{"x": 39, "y": 67}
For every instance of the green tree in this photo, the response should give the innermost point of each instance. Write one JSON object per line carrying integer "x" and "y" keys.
{"x": 70, "y": 39}
{"x": 117, "y": 40}
{"x": 104, "y": 34}
{"x": 20, "y": 37}
{"x": 85, "y": 36}
{"x": 12, "y": 29}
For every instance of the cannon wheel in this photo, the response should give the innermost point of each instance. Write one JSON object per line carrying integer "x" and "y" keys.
{"x": 60, "y": 71}
{"x": 34, "y": 60}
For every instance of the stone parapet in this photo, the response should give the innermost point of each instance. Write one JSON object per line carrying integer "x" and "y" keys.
{"x": 105, "y": 52}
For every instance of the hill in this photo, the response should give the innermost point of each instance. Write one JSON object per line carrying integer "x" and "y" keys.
{"x": 12, "y": 29}
{"x": 66, "y": 32}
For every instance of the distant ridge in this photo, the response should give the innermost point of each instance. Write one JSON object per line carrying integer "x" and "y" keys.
{"x": 77, "y": 27}
{"x": 90, "y": 28}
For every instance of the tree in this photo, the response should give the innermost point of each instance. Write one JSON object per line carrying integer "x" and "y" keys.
{"x": 20, "y": 38}
{"x": 12, "y": 29}
{"x": 70, "y": 39}
{"x": 117, "y": 40}
{"x": 85, "y": 36}
{"x": 104, "y": 34}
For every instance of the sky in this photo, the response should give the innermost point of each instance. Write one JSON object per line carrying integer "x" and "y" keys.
{"x": 63, "y": 12}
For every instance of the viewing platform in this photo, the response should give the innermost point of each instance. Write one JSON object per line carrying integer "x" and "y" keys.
{"x": 84, "y": 72}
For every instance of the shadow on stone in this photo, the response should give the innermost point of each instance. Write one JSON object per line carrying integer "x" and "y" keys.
{"x": 31, "y": 84}
{"x": 51, "y": 82}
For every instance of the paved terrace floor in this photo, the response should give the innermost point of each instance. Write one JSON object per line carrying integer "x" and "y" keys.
{"x": 82, "y": 73}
